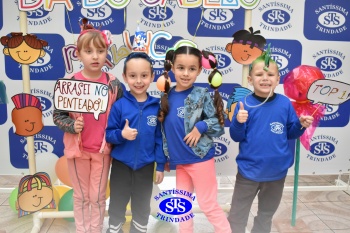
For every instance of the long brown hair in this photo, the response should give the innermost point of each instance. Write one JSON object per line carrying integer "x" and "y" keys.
{"x": 170, "y": 58}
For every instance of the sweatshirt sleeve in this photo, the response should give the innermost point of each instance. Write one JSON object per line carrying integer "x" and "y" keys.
{"x": 63, "y": 121}
{"x": 201, "y": 126}
{"x": 114, "y": 126}
{"x": 295, "y": 129}
{"x": 160, "y": 156}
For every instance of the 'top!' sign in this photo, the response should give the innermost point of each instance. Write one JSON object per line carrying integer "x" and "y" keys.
{"x": 81, "y": 96}
{"x": 328, "y": 91}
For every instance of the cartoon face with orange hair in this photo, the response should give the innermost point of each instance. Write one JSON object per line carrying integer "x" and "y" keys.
{"x": 27, "y": 114}
{"x": 35, "y": 193}
{"x": 23, "y": 49}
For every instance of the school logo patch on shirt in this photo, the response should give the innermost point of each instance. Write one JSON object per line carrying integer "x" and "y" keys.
{"x": 276, "y": 128}
{"x": 152, "y": 120}
{"x": 181, "y": 112}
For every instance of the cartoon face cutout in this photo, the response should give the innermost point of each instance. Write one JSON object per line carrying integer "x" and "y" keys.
{"x": 35, "y": 193}
{"x": 243, "y": 54}
{"x": 24, "y": 54}
{"x": 139, "y": 41}
{"x": 24, "y": 49}
{"x": 35, "y": 199}
{"x": 27, "y": 120}
{"x": 27, "y": 116}
{"x": 246, "y": 46}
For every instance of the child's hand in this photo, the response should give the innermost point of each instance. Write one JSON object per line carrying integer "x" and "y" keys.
{"x": 79, "y": 124}
{"x": 129, "y": 133}
{"x": 193, "y": 137}
{"x": 242, "y": 114}
{"x": 306, "y": 121}
{"x": 159, "y": 177}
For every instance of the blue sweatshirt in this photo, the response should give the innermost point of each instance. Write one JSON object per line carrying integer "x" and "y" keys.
{"x": 147, "y": 147}
{"x": 264, "y": 153}
{"x": 174, "y": 127}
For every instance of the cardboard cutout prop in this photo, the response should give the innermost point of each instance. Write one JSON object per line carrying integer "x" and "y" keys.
{"x": 27, "y": 114}
{"x": 237, "y": 94}
{"x": 23, "y": 49}
{"x": 246, "y": 46}
{"x": 81, "y": 96}
{"x": 140, "y": 40}
{"x": 240, "y": 92}
{"x": 296, "y": 85}
{"x": 35, "y": 193}
{"x": 329, "y": 91}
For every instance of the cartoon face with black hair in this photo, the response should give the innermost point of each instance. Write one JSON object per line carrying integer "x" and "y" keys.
{"x": 246, "y": 46}
{"x": 23, "y": 49}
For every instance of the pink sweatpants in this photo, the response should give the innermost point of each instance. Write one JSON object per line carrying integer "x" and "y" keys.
{"x": 89, "y": 176}
{"x": 201, "y": 179}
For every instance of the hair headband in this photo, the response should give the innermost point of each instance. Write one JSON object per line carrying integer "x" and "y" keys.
{"x": 139, "y": 55}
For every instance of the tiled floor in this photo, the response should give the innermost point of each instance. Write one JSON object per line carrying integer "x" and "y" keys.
{"x": 317, "y": 211}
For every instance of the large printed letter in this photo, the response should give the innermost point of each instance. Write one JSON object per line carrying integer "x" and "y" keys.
{"x": 25, "y": 5}
{"x": 49, "y": 4}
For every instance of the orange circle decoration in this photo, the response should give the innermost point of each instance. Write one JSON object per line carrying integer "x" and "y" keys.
{"x": 62, "y": 173}
{"x": 161, "y": 83}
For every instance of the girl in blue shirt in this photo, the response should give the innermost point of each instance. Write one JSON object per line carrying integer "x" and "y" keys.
{"x": 190, "y": 121}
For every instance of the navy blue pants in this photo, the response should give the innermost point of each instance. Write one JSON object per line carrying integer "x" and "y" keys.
{"x": 127, "y": 184}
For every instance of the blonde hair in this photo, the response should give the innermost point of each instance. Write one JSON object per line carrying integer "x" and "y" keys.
{"x": 93, "y": 35}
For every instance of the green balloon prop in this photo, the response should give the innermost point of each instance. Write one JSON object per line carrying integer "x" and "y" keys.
{"x": 66, "y": 203}
{"x": 13, "y": 199}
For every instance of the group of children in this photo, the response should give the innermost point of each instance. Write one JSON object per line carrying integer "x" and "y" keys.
{"x": 138, "y": 130}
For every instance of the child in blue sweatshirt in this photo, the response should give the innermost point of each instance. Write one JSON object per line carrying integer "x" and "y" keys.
{"x": 262, "y": 124}
{"x": 134, "y": 130}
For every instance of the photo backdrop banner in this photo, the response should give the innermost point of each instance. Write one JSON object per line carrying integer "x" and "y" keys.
{"x": 308, "y": 32}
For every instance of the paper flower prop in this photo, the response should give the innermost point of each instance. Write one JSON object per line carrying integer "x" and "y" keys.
{"x": 296, "y": 85}
{"x": 27, "y": 114}
{"x": 246, "y": 46}
{"x": 35, "y": 193}
{"x": 24, "y": 49}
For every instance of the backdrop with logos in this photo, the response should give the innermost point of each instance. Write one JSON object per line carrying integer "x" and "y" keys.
{"x": 309, "y": 32}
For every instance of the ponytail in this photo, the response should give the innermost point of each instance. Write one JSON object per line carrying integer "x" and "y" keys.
{"x": 215, "y": 80}
{"x": 164, "y": 104}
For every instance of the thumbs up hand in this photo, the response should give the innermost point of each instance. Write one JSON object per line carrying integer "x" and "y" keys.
{"x": 242, "y": 114}
{"x": 129, "y": 133}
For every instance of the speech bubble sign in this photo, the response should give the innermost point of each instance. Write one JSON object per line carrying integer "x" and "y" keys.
{"x": 329, "y": 91}
{"x": 81, "y": 96}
